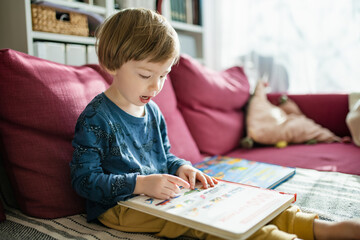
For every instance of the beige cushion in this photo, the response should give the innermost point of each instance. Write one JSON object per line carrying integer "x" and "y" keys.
{"x": 269, "y": 124}
{"x": 353, "y": 117}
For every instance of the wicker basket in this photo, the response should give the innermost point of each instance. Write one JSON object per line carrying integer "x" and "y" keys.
{"x": 47, "y": 19}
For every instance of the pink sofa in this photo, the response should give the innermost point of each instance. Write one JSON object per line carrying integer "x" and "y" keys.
{"x": 205, "y": 110}
{"x": 330, "y": 111}
{"x": 212, "y": 105}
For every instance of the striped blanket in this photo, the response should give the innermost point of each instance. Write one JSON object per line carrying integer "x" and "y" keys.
{"x": 334, "y": 196}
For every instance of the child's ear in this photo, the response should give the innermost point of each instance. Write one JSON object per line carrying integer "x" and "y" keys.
{"x": 111, "y": 72}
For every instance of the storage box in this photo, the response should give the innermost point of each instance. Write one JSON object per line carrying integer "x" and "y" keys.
{"x": 188, "y": 45}
{"x": 91, "y": 55}
{"x": 75, "y": 54}
{"x": 50, "y": 51}
{"x": 48, "y": 19}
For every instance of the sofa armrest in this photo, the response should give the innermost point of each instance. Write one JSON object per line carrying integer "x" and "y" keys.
{"x": 328, "y": 110}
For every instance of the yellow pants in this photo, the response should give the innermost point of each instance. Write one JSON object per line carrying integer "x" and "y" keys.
{"x": 289, "y": 224}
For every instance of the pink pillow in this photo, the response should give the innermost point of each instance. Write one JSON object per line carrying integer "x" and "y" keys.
{"x": 211, "y": 103}
{"x": 182, "y": 143}
{"x": 40, "y": 103}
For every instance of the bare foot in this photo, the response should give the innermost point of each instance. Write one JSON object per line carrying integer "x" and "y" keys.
{"x": 349, "y": 229}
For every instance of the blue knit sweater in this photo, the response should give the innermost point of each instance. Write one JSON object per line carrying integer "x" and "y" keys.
{"x": 112, "y": 147}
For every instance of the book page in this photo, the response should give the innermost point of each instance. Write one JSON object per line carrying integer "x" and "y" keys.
{"x": 230, "y": 207}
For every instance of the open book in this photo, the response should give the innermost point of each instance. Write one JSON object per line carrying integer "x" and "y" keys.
{"x": 244, "y": 171}
{"x": 228, "y": 210}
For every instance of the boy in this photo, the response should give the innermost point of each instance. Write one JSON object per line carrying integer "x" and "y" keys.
{"x": 121, "y": 146}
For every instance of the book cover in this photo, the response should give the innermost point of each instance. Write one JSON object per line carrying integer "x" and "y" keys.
{"x": 244, "y": 171}
{"x": 228, "y": 210}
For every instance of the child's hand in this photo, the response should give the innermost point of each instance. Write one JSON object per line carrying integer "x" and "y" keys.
{"x": 191, "y": 174}
{"x": 161, "y": 186}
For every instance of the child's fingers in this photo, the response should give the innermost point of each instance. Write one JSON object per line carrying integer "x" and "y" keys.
{"x": 215, "y": 180}
{"x": 202, "y": 178}
{"x": 212, "y": 181}
{"x": 209, "y": 180}
{"x": 178, "y": 181}
{"x": 192, "y": 179}
{"x": 168, "y": 192}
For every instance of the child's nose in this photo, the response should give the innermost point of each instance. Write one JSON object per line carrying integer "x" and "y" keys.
{"x": 155, "y": 85}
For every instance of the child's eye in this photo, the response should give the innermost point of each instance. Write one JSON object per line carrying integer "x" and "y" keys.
{"x": 144, "y": 76}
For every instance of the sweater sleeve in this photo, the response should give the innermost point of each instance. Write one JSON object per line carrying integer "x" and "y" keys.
{"x": 93, "y": 135}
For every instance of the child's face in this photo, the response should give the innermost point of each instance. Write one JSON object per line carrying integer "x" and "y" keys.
{"x": 136, "y": 82}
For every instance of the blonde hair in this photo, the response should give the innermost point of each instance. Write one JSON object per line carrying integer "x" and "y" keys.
{"x": 135, "y": 34}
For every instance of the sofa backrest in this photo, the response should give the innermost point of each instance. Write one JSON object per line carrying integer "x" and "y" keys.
{"x": 40, "y": 102}
{"x": 212, "y": 104}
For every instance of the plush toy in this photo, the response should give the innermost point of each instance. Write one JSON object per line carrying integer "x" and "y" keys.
{"x": 280, "y": 125}
{"x": 353, "y": 117}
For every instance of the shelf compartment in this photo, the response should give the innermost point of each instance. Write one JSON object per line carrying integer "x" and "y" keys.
{"x": 44, "y": 36}
{"x": 83, "y": 6}
{"x": 187, "y": 27}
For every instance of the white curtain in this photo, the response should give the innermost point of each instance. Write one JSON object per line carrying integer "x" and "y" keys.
{"x": 300, "y": 46}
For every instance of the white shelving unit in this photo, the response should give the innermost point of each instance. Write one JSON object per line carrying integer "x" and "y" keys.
{"x": 191, "y": 28}
{"x": 84, "y": 6}
{"x": 16, "y": 26}
{"x": 62, "y": 38}
{"x": 191, "y": 36}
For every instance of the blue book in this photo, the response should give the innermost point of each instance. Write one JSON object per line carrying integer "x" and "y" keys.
{"x": 244, "y": 171}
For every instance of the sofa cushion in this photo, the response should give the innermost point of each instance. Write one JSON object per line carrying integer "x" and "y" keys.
{"x": 2, "y": 213}
{"x": 353, "y": 117}
{"x": 327, "y": 109}
{"x": 6, "y": 194}
{"x": 212, "y": 104}
{"x": 40, "y": 103}
{"x": 270, "y": 124}
{"x": 182, "y": 143}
